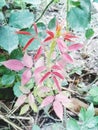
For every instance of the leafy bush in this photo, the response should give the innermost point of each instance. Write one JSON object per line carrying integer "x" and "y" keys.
{"x": 38, "y": 78}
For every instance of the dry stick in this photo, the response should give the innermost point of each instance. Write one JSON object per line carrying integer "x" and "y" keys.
{"x": 10, "y": 112}
{"x": 19, "y": 117}
{"x": 10, "y": 122}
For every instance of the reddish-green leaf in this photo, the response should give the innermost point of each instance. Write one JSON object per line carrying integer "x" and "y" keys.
{"x": 23, "y": 32}
{"x": 56, "y": 67}
{"x": 75, "y": 47}
{"x": 57, "y": 83}
{"x": 48, "y": 100}
{"x": 58, "y": 108}
{"x": 27, "y": 60}
{"x": 28, "y": 43}
{"x": 68, "y": 36}
{"x": 26, "y": 76}
{"x": 32, "y": 102}
{"x": 20, "y": 100}
{"x": 48, "y": 39}
{"x": 67, "y": 58}
{"x": 24, "y": 109}
{"x": 45, "y": 77}
{"x": 63, "y": 99}
{"x": 61, "y": 45}
{"x": 58, "y": 75}
{"x": 39, "y": 69}
{"x": 50, "y": 33}
{"x": 38, "y": 54}
{"x": 35, "y": 28}
{"x": 13, "y": 65}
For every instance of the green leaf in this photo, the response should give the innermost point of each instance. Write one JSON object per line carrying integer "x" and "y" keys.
{"x": 56, "y": 1}
{"x": 1, "y": 16}
{"x": 36, "y": 127}
{"x": 95, "y": 1}
{"x": 19, "y": 3}
{"x": 90, "y": 112}
{"x": 8, "y": 79}
{"x": 34, "y": 2}
{"x": 93, "y": 91}
{"x": 21, "y": 19}
{"x": 89, "y": 33}
{"x": 41, "y": 30}
{"x": 75, "y": 3}
{"x": 2, "y": 3}
{"x": 41, "y": 26}
{"x": 2, "y": 57}
{"x": 8, "y": 38}
{"x": 24, "y": 109}
{"x": 72, "y": 125}
{"x": 4, "y": 70}
{"x": 52, "y": 23}
{"x": 86, "y": 5}
{"x": 16, "y": 54}
{"x": 92, "y": 122}
{"x": 16, "y": 90}
{"x": 78, "y": 19}
{"x": 82, "y": 114}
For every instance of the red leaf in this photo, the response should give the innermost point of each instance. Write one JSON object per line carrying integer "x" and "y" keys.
{"x": 23, "y": 32}
{"x": 38, "y": 54}
{"x": 61, "y": 45}
{"x": 44, "y": 77}
{"x": 27, "y": 60}
{"x": 44, "y": 89}
{"x": 39, "y": 69}
{"x": 57, "y": 67}
{"x": 75, "y": 47}
{"x": 37, "y": 78}
{"x": 13, "y": 65}
{"x": 20, "y": 100}
{"x": 35, "y": 28}
{"x": 63, "y": 99}
{"x": 61, "y": 63}
{"x": 58, "y": 74}
{"x": 48, "y": 100}
{"x": 58, "y": 108}
{"x": 50, "y": 33}
{"x": 28, "y": 43}
{"x": 57, "y": 83}
{"x": 48, "y": 39}
{"x": 67, "y": 58}
{"x": 68, "y": 36}
{"x": 26, "y": 76}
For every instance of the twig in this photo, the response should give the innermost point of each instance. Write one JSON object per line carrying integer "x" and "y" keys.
{"x": 19, "y": 117}
{"x": 10, "y": 122}
{"x": 44, "y": 10}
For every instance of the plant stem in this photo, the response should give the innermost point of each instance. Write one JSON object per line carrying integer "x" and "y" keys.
{"x": 67, "y": 9}
{"x": 44, "y": 10}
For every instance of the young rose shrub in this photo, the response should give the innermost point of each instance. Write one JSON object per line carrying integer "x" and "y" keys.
{"x": 48, "y": 74}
